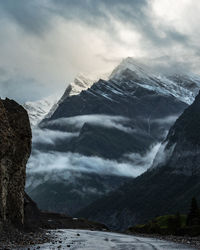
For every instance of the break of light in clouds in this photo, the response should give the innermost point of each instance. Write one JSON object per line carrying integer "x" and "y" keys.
{"x": 45, "y": 43}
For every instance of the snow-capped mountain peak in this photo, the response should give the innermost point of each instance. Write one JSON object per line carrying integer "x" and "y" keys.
{"x": 44, "y": 108}
{"x": 37, "y": 110}
{"x": 132, "y": 72}
{"x": 80, "y": 83}
{"x": 182, "y": 86}
{"x": 129, "y": 63}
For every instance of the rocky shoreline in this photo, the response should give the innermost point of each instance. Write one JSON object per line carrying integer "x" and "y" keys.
{"x": 11, "y": 238}
{"x": 16, "y": 239}
{"x": 186, "y": 240}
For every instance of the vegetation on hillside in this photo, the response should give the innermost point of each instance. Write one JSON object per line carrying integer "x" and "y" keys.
{"x": 175, "y": 224}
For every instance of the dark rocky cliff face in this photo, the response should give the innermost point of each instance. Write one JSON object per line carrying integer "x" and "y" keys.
{"x": 183, "y": 141}
{"x": 15, "y": 148}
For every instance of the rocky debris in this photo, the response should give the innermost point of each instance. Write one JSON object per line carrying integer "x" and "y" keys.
{"x": 191, "y": 241}
{"x": 14, "y": 238}
{"x": 103, "y": 240}
{"x": 185, "y": 240}
{"x": 32, "y": 214}
{"x": 15, "y": 149}
{"x": 50, "y": 220}
{"x": 36, "y": 225}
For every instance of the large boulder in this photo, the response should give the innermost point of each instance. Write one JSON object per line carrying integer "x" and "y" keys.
{"x": 15, "y": 149}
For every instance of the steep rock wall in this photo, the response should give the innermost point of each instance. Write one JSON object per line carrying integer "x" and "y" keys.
{"x": 15, "y": 149}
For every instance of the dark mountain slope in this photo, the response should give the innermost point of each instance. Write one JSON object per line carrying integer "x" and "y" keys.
{"x": 166, "y": 188}
{"x": 150, "y": 195}
{"x": 69, "y": 197}
{"x": 184, "y": 138}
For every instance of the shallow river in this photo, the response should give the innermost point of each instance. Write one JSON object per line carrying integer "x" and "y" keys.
{"x": 94, "y": 240}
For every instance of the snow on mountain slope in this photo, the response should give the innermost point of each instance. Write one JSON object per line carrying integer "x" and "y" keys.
{"x": 80, "y": 83}
{"x": 184, "y": 87}
{"x": 39, "y": 109}
{"x": 140, "y": 70}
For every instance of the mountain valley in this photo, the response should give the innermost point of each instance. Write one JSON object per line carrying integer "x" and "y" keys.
{"x": 96, "y": 140}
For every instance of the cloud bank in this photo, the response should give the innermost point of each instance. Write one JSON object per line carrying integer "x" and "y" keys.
{"x": 46, "y": 136}
{"x": 57, "y": 163}
{"x": 166, "y": 120}
{"x": 107, "y": 121}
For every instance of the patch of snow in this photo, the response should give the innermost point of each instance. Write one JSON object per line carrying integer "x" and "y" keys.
{"x": 79, "y": 84}
{"x": 45, "y": 108}
{"x": 130, "y": 63}
{"x": 39, "y": 109}
{"x": 183, "y": 87}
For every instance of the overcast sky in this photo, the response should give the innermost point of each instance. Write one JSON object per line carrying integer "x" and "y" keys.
{"x": 45, "y": 43}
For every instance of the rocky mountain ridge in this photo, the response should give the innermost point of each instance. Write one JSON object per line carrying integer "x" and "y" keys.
{"x": 181, "y": 149}
{"x": 183, "y": 86}
{"x": 38, "y": 110}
